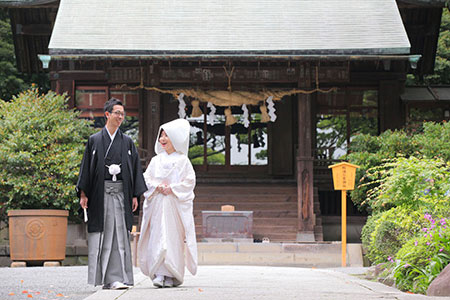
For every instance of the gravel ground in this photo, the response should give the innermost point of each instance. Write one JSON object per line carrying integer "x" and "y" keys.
{"x": 45, "y": 283}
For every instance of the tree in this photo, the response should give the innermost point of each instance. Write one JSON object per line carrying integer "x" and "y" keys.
{"x": 10, "y": 81}
{"x": 42, "y": 143}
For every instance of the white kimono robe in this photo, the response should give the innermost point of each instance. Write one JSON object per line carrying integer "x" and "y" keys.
{"x": 168, "y": 231}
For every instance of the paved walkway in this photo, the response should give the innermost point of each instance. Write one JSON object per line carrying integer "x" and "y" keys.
{"x": 259, "y": 282}
{"x": 211, "y": 282}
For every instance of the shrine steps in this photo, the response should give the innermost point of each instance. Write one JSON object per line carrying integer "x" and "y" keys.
{"x": 317, "y": 255}
{"x": 274, "y": 207}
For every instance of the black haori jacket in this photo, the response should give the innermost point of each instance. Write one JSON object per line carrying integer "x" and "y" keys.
{"x": 92, "y": 174}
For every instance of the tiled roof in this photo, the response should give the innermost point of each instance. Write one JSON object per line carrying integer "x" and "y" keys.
{"x": 236, "y": 27}
{"x": 424, "y": 93}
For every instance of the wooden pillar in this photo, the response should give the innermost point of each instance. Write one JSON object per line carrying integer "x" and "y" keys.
{"x": 66, "y": 86}
{"x": 151, "y": 113}
{"x": 390, "y": 106}
{"x": 306, "y": 217}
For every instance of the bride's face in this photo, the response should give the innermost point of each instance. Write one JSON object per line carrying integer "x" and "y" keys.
{"x": 165, "y": 142}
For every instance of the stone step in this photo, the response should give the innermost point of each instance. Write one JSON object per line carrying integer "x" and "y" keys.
{"x": 319, "y": 255}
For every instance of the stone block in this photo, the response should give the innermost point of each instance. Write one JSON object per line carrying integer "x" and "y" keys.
{"x": 82, "y": 260}
{"x": 272, "y": 259}
{"x": 313, "y": 248}
{"x": 217, "y": 247}
{"x": 52, "y": 264}
{"x": 75, "y": 233}
{"x": 227, "y": 224}
{"x": 440, "y": 285}
{"x": 70, "y": 261}
{"x": 81, "y": 250}
{"x": 18, "y": 264}
{"x": 354, "y": 255}
{"x": 70, "y": 250}
{"x": 5, "y": 261}
{"x": 4, "y": 250}
{"x": 225, "y": 258}
{"x": 260, "y": 247}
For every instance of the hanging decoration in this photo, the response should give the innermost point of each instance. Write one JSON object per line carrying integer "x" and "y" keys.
{"x": 271, "y": 108}
{"x": 245, "y": 115}
{"x": 212, "y": 114}
{"x": 230, "y": 97}
{"x": 196, "y": 110}
{"x": 181, "y": 106}
{"x": 233, "y": 98}
{"x": 264, "y": 116}
{"x": 230, "y": 120}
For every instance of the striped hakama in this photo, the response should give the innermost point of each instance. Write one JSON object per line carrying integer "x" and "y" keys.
{"x": 109, "y": 251}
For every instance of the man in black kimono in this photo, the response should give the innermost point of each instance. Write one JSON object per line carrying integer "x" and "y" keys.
{"x": 109, "y": 184}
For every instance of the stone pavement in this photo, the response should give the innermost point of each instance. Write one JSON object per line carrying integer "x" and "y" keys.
{"x": 262, "y": 282}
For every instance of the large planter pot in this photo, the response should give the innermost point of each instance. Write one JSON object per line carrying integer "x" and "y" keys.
{"x": 37, "y": 235}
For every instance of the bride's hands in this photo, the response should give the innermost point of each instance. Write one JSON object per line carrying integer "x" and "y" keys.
{"x": 164, "y": 189}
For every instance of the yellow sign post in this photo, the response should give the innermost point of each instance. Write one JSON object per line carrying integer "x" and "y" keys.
{"x": 344, "y": 180}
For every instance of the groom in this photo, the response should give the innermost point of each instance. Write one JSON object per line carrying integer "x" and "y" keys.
{"x": 109, "y": 184}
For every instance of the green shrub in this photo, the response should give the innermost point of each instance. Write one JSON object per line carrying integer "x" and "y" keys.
{"x": 416, "y": 183}
{"x": 423, "y": 257}
{"x": 388, "y": 231}
{"x": 435, "y": 140}
{"x": 42, "y": 143}
{"x": 371, "y": 152}
{"x": 368, "y": 229}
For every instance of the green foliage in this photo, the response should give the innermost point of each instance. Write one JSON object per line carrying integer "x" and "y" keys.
{"x": 386, "y": 232}
{"x": 410, "y": 182}
{"x": 369, "y": 152}
{"x": 422, "y": 258}
{"x": 41, "y": 150}
{"x": 374, "y": 153}
{"x": 10, "y": 81}
{"x": 214, "y": 157}
{"x": 434, "y": 141}
{"x": 405, "y": 190}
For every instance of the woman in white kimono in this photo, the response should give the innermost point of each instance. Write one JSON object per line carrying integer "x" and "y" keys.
{"x": 167, "y": 241}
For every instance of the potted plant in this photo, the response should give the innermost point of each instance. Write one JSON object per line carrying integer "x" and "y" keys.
{"x": 42, "y": 142}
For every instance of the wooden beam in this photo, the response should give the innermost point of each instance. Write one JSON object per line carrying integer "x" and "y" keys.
{"x": 79, "y": 75}
{"x": 34, "y": 29}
